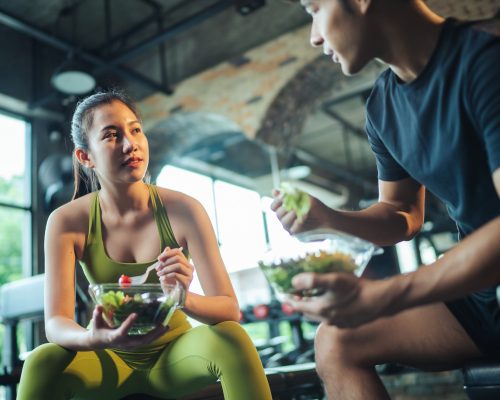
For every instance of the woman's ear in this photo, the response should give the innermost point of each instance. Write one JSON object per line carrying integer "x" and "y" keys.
{"x": 83, "y": 158}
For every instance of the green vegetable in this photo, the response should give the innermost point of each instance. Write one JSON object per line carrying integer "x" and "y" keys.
{"x": 112, "y": 300}
{"x": 295, "y": 199}
{"x": 280, "y": 275}
{"x": 150, "y": 311}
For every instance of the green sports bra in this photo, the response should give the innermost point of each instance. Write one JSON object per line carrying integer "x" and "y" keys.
{"x": 97, "y": 265}
{"x": 99, "y": 268}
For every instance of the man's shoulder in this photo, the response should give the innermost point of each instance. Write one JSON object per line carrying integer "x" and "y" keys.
{"x": 474, "y": 37}
{"x": 378, "y": 89}
{"x": 490, "y": 26}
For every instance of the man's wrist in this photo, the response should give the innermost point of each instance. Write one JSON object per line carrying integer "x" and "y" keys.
{"x": 398, "y": 290}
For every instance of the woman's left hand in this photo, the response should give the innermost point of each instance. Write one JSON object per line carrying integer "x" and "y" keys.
{"x": 174, "y": 266}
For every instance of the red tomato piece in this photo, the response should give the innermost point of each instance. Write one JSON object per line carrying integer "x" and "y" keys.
{"x": 124, "y": 280}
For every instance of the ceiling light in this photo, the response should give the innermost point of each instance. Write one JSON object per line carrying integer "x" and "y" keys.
{"x": 72, "y": 78}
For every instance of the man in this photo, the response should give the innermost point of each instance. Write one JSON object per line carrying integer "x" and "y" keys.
{"x": 433, "y": 122}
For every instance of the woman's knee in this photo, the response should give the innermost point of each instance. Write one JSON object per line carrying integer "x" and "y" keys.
{"x": 233, "y": 332}
{"x": 234, "y": 343}
{"x": 48, "y": 356}
{"x": 42, "y": 373}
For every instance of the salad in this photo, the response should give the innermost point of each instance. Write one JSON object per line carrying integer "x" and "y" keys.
{"x": 151, "y": 309}
{"x": 280, "y": 273}
{"x": 295, "y": 199}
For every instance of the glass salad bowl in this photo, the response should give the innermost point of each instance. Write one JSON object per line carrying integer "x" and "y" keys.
{"x": 319, "y": 251}
{"x": 153, "y": 304}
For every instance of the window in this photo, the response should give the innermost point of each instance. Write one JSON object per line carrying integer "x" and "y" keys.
{"x": 245, "y": 227}
{"x": 15, "y": 203}
{"x": 15, "y": 199}
{"x": 244, "y": 224}
{"x": 240, "y": 225}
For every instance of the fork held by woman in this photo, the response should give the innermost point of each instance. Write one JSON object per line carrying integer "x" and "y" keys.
{"x": 140, "y": 279}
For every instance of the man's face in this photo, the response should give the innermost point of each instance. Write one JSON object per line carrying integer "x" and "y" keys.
{"x": 340, "y": 31}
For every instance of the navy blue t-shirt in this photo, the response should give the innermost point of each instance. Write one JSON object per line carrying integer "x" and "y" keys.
{"x": 443, "y": 128}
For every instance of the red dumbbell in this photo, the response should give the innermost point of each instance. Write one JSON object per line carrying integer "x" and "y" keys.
{"x": 287, "y": 309}
{"x": 261, "y": 311}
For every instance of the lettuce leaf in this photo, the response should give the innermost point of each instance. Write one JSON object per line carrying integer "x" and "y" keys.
{"x": 295, "y": 199}
{"x": 112, "y": 300}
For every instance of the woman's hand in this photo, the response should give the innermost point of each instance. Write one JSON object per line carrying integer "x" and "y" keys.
{"x": 316, "y": 217}
{"x": 102, "y": 336}
{"x": 174, "y": 266}
{"x": 348, "y": 301}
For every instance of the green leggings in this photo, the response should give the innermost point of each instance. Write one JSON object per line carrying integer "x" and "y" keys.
{"x": 194, "y": 360}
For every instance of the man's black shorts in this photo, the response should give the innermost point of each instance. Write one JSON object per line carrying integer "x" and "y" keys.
{"x": 479, "y": 314}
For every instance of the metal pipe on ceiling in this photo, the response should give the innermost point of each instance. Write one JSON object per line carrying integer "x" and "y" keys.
{"x": 23, "y": 27}
{"x": 310, "y": 159}
{"x": 176, "y": 29}
{"x": 344, "y": 122}
{"x": 153, "y": 17}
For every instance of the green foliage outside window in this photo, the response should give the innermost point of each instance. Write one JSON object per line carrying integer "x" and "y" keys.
{"x": 11, "y": 234}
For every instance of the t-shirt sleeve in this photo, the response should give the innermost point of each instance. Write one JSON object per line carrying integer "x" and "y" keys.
{"x": 388, "y": 168}
{"x": 484, "y": 99}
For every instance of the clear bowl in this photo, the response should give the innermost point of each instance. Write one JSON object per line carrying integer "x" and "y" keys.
{"x": 319, "y": 251}
{"x": 153, "y": 304}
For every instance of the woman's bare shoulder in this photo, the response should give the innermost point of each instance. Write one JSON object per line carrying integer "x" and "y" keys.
{"x": 174, "y": 200}
{"x": 72, "y": 216}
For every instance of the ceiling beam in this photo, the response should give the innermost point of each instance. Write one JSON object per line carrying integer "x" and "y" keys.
{"x": 345, "y": 123}
{"x": 176, "y": 29}
{"x": 122, "y": 37}
{"x": 27, "y": 29}
{"x": 321, "y": 163}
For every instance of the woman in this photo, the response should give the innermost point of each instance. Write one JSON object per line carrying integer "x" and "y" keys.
{"x": 120, "y": 228}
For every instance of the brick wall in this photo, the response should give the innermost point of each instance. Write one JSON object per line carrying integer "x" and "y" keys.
{"x": 246, "y": 91}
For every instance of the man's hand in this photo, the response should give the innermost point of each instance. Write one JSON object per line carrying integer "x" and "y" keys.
{"x": 315, "y": 217}
{"x": 348, "y": 301}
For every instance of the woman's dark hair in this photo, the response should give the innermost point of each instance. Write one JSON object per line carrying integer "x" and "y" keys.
{"x": 86, "y": 180}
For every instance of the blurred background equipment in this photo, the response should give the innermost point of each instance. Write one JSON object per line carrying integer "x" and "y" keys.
{"x": 56, "y": 179}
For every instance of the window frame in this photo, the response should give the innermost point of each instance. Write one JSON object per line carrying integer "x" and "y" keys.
{"x": 27, "y": 328}
{"x": 213, "y": 179}
{"x": 29, "y": 238}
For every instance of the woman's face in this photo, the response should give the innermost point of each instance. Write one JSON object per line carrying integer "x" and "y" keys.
{"x": 118, "y": 147}
{"x": 341, "y": 32}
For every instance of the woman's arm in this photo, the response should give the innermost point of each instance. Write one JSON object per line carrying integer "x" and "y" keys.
{"x": 65, "y": 233}
{"x": 191, "y": 223}
{"x": 60, "y": 241}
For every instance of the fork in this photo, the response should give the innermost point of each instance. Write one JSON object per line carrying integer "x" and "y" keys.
{"x": 140, "y": 279}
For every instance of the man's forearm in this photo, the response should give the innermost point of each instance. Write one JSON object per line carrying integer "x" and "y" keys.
{"x": 382, "y": 223}
{"x": 471, "y": 265}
